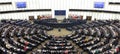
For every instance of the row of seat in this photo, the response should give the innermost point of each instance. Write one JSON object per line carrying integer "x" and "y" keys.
{"x": 65, "y": 23}
{"x": 94, "y": 44}
{"x": 96, "y": 37}
{"x": 57, "y": 45}
{"x": 92, "y": 24}
{"x": 26, "y": 23}
{"x": 103, "y": 39}
{"x": 109, "y": 31}
{"x": 16, "y": 39}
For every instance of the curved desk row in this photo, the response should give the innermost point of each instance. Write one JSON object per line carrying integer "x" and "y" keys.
{"x": 62, "y": 25}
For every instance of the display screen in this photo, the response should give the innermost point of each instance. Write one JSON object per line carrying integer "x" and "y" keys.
{"x": 99, "y": 5}
{"x": 21, "y": 4}
{"x": 60, "y": 12}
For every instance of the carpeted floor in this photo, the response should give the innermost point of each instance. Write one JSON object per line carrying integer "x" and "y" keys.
{"x": 55, "y": 32}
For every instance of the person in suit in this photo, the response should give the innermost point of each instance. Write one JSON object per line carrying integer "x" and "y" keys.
{"x": 59, "y": 29}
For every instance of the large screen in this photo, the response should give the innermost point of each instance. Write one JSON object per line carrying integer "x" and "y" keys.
{"x": 21, "y": 4}
{"x": 98, "y": 4}
{"x": 60, "y": 12}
